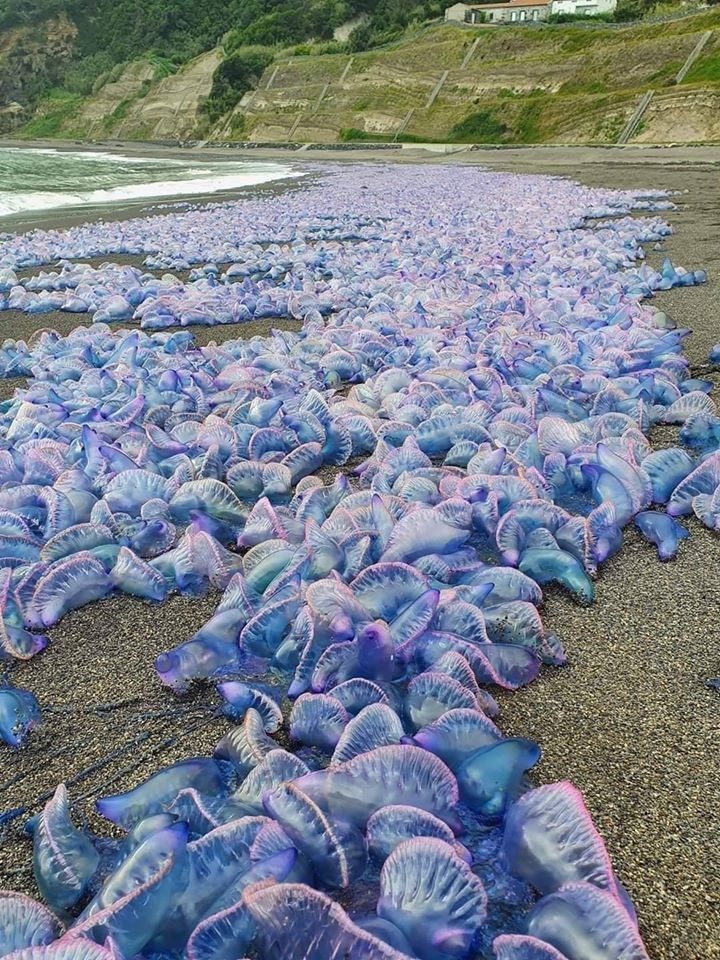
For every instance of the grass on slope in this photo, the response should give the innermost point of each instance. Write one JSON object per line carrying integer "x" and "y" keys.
{"x": 52, "y": 115}
{"x": 704, "y": 70}
{"x": 523, "y": 84}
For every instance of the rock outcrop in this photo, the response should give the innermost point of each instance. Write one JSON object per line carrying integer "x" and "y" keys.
{"x": 32, "y": 58}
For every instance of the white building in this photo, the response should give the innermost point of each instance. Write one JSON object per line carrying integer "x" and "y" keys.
{"x": 503, "y": 11}
{"x": 588, "y": 8}
{"x": 522, "y": 11}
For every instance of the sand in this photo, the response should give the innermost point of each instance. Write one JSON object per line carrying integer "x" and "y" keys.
{"x": 630, "y": 720}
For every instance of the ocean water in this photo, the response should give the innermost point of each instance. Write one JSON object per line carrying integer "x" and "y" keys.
{"x": 34, "y": 179}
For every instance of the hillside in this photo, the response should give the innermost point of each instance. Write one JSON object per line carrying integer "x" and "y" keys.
{"x": 105, "y": 35}
{"x": 31, "y": 59}
{"x": 511, "y": 84}
{"x": 521, "y": 85}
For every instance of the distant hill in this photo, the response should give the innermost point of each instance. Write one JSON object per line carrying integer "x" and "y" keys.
{"x": 107, "y": 34}
{"x": 239, "y": 69}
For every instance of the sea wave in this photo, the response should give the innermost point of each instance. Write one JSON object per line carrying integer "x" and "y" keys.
{"x": 94, "y": 155}
{"x": 13, "y": 203}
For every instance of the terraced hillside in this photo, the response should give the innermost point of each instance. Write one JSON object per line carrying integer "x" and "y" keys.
{"x": 510, "y": 84}
{"x": 523, "y": 85}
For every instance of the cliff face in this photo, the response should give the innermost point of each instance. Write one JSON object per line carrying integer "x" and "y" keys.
{"x": 31, "y": 59}
{"x": 136, "y": 106}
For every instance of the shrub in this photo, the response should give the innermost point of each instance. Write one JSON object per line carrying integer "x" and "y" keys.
{"x": 52, "y": 115}
{"x": 82, "y": 75}
{"x": 627, "y": 10}
{"x": 349, "y": 134}
{"x": 360, "y": 38}
{"x": 480, "y": 127}
{"x": 236, "y": 75}
{"x": 578, "y": 17}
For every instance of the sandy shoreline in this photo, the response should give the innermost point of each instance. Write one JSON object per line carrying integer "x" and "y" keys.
{"x": 567, "y": 161}
{"x": 629, "y": 721}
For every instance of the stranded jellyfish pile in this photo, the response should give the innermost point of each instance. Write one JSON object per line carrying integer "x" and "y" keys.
{"x": 378, "y": 499}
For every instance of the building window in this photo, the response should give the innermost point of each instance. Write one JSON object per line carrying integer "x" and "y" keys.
{"x": 536, "y": 14}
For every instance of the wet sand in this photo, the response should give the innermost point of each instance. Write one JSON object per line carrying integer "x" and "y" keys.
{"x": 630, "y": 720}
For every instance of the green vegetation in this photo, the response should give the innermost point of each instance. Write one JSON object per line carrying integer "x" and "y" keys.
{"x": 82, "y": 76}
{"x": 234, "y": 77}
{"x": 163, "y": 66}
{"x": 52, "y": 115}
{"x": 584, "y": 86}
{"x": 557, "y": 84}
{"x": 111, "y": 33}
{"x": 666, "y": 73}
{"x": 388, "y": 20}
{"x": 19, "y": 12}
{"x": 705, "y": 70}
{"x": 351, "y": 134}
{"x": 285, "y": 22}
{"x": 319, "y": 49}
{"x": 521, "y": 86}
{"x": 580, "y": 17}
{"x": 528, "y": 126}
{"x": 480, "y": 127}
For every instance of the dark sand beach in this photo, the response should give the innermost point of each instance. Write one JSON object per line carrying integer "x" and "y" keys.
{"x": 630, "y": 720}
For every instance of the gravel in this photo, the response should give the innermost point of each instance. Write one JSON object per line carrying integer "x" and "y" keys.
{"x": 630, "y": 720}
{"x": 108, "y": 721}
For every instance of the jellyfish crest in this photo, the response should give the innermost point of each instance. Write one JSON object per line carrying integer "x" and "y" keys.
{"x": 520, "y": 947}
{"x": 247, "y": 745}
{"x": 64, "y": 859}
{"x": 386, "y": 775}
{"x": 299, "y": 922}
{"x": 396, "y": 823}
{"x": 550, "y": 840}
{"x": 217, "y": 861}
{"x": 150, "y": 797}
{"x": 66, "y": 949}
{"x": 433, "y": 693}
{"x": 579, "y": 918}
{"x": 201, "y": 812}
{"x": 376, "y": 725}
{"x": 240, "y": 696}
{"x": 433, "y": 897}
{"x": 338, "y": 854}
{"x": 666, "y": 469}
{"x": 25, "y": 924}
{"x": 318, "y": 720}
{"x": 277, "y": 767}
{"x": 68, "y": 584}
{"x": 130, "y": 574}
{"x": 457, "y": 735}
{"x": 705, "y": 478}
{"x": 136, "y": 899}
{"x": 223, "y": 935}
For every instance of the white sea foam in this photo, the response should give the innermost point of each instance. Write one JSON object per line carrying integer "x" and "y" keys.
{"x": 96, "y": 155}
{"x": 195, "y": 179}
